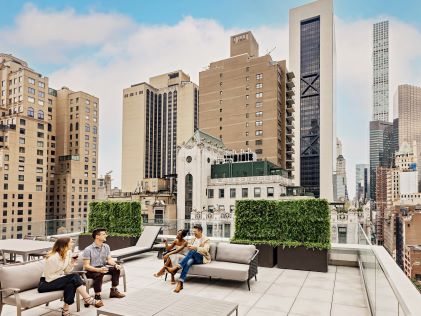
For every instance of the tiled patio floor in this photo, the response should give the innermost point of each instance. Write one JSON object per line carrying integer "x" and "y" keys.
{"x": 276, "y": 292}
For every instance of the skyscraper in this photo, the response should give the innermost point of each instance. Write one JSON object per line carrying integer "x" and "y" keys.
{"x": 246, "y": 100}
{"x": 312, "y": 54}
{"x": 157, "y": 117}
{"x": 381, "y": 71}
{"x": 381, "y": 136}
{"x": 362, "y": 182}
{"x": 407, "y": 103}
{"x": 341, "y": 189}
{"x": 48, "y": 150}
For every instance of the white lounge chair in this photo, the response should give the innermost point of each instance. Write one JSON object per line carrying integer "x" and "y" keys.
{"x": 144, "y": 244}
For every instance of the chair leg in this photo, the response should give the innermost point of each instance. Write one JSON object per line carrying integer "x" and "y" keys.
{"x": 124, "y": 283}
{"x": 248, "y": 283}
{"x": 255, "y": 277}
{"x": 166, "y": 274}
{"x": 77, "y": 302}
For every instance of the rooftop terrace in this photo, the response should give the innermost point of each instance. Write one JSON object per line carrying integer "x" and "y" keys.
{"x": 276, "y": 291}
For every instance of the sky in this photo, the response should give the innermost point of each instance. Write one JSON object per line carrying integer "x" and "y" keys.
{"x": 102, "y": 47}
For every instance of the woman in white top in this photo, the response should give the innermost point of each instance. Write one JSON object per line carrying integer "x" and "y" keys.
{"x": 58, "y": 263}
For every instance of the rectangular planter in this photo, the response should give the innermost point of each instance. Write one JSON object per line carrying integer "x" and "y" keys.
{"x": 302, "y": 258}
{"x": 267, "y": 256}
{"x": 115, "y": 242}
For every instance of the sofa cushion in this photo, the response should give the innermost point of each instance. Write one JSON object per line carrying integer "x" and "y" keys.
{"x": 29, "y": 275}
{"x": 223, "y": 270}
{"x": 32, "y": 298}
{"x": 235, "y": 253}
{"x": 212, "y": 250}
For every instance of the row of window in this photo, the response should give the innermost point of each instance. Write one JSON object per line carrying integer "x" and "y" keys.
{"x": 244, "y": 192}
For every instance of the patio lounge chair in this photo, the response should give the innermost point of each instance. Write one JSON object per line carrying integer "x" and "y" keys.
{"x": 144, "y": 244}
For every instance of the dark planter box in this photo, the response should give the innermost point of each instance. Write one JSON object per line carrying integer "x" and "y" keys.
{"x": 115, "y": 242}
{"x": 267, "y": 256}
{"x": 302, "y": 258}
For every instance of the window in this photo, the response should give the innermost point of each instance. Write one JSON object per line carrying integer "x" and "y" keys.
{"x": 259, "y": 104}
{"x": 31, "y": 90}
{"x": 260, "y": 113}
{"x": 259, "y": 133}
{"x": 31, "y": 80}
{"x": 40, "y": 144}
{"x": 39, "y": 188}
{"x": 87, "y": 128}
{"x": 232, "y": 193}
{"x": 40, "y": 102}
{"x": 259, "y": 95}
{"x": 244, "y": 192}
{"x": 257, "y": 192}
{"x": 41, "y": 84}
{"x": 40, "y": 115}
{"x": 31, "y": 112}
{"x": 210, "y": 193}
{"x": 221, "y": 193}
{"x": 270, "y": 191}
{"x": 259, "y": 123}
{"x": 259, "y": 85}
{"x": 41, "y": 94}
{"x": 21, "y": 140}
{"x": 22, "y": 122}
{"x": 259, "y": 76}
{"x": 259, "y": 151}
{"x": 259, "y": 142}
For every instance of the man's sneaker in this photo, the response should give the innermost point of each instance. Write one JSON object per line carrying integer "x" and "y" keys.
{"x": 115, "y": 293}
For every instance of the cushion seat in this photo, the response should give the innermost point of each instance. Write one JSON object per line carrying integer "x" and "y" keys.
{"x": 32, "y": 298}
{"x": 223, "y": 270}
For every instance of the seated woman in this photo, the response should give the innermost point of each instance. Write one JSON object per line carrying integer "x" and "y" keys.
{"x": 58, "y": 262}
{"x": 176, "y": 252}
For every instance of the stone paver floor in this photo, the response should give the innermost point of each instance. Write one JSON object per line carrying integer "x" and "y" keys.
{"x": 276, "y": 292}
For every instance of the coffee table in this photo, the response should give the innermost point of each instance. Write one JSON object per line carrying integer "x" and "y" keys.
{"x": 150, "y": 302}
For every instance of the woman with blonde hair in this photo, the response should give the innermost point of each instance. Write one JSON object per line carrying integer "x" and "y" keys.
{"x": 58, "y": 263}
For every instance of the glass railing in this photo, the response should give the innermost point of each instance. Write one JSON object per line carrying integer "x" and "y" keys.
{"x": 389, "y": 290}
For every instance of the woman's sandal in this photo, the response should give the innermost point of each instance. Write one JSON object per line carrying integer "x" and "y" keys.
{"x": 65, "y": 312}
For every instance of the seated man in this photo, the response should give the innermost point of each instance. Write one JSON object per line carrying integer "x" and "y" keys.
{"x": 97, "y": 262}
{"x": 198, "y": 254}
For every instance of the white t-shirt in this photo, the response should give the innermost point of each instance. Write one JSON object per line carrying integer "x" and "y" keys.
{"x": 197, "y": 242}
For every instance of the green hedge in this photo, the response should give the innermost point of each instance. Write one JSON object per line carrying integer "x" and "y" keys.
{"x": 283, "y": 223}
{"x": 119, "y": 218}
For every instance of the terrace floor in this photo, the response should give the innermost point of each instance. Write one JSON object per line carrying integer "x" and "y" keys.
{"x": 276, "y": 292}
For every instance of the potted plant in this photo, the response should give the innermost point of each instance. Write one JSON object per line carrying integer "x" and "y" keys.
{"x": 304, "y": 234}
{"x": 299, "y": 231}
{"x": 122, "y": 220}
{"x": 254, "y": 226}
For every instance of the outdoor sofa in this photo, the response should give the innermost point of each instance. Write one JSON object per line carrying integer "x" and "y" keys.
{"x": 229, "y": 261}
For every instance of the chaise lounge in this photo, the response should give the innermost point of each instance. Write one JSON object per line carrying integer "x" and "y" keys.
{"x": 144, "y": 244}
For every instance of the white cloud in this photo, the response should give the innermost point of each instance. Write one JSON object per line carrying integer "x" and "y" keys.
{"x": 104, "y": 53}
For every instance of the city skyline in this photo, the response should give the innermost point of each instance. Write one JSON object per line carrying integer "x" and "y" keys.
{"x": 115, "y": 54}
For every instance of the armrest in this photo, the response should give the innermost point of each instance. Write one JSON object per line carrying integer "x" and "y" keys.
{"x": 78, "y": 271}
{"x": 255, "y": 255}
{"x": 10, "y": 289}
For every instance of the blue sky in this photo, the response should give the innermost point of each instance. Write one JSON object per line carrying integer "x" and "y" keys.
{"x": 104, "y": 46}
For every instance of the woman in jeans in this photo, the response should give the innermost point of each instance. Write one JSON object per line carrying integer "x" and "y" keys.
{"x": 58, "y": 263}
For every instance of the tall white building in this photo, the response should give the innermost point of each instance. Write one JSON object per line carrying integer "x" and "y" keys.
{"x": 341, "y": 188}
{"x": 312, "y": 59}
{"x": 381, "y": 71}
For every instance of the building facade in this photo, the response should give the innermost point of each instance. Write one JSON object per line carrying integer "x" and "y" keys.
{"x": 381, "y": 155}
{"x": 312, "y": 59}
{"x": 212, "y": 178}
{"x": 362, "y": 183}
{"x": 407, "y": 103}
{"x": 340, "y": 180}
{"x": 412, "y": 262}
{"x": 381, "y": 71}
{"x": 47, "y": 165}
{"x": 247, "y": 101}
{"x": 157, "y": 117}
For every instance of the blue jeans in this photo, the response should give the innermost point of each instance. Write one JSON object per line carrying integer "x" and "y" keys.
{"x": 192, "y": 257}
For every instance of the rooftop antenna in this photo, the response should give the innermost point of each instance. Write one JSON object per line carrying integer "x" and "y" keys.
{"x": 270, "y": 51}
